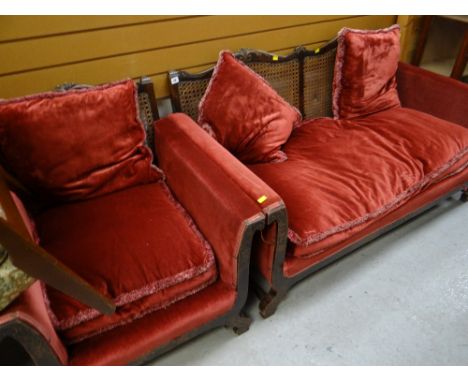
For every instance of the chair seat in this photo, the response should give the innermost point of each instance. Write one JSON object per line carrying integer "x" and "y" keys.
{"x": 342, "y": 174}
{"x": 138, "y": 247}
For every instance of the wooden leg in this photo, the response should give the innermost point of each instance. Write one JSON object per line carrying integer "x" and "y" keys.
{"x": 464, "y": 195}
{"x": 460, "y": 62}
{"x": 269, "y": 302}
{"x": 240, "y": 324}
{"x": 426, "y": 25}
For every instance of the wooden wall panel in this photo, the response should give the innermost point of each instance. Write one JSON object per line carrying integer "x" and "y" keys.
{"x": 39, "y": 52}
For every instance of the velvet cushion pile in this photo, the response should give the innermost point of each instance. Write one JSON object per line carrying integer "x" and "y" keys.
{"x": 343, "y": 174}
{"x": 136, "y": 246}
{"x": 365, "y": 71}
{"x": 77, "y": 144}
{"x": 245, "y": 114}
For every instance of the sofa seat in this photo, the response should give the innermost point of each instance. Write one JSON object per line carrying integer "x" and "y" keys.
{"x": 137, "y": 246}
{"x": 343, "y": 174}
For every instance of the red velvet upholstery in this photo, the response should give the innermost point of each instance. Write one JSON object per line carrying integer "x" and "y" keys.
{"x": 137, "y": 246}
{"x": 294, "y": 265}
{"x": 128, "y": 343}
{"x": 121, "y": 240}
{"x": 77, "y": 144}
{"x": 344, "y": 173}
{"x": 432, "y": 93}
{"x": 245, "y": 114}
{"x": 215, "y": 188}
{"x": 365, "y": 71}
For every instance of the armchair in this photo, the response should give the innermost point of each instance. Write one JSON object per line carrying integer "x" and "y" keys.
{"x": 171, "y": 266}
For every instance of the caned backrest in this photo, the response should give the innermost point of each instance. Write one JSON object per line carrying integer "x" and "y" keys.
{"x": 303, "y": 78}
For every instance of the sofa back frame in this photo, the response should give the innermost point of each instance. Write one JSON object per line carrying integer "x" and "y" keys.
{"x": 187, "y": 89}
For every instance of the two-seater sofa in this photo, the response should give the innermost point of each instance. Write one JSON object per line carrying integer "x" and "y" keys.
{"x": 131, "y": 259}
{"x": 347, "y": 180}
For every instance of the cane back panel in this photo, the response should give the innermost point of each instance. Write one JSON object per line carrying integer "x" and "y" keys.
{"x": 303, "y": 78}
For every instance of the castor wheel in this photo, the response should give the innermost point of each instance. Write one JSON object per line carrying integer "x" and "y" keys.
{"x": 464, "y": 196}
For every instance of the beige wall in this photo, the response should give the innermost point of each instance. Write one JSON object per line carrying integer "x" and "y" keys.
{"x": 39, "y": 52}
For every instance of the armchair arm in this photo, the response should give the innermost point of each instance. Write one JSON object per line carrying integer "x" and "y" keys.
{"x": 432, "y": 93}
{"x": 218, "y": 191}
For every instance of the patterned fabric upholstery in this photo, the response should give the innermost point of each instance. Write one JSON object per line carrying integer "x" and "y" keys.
{"x": 12, "y": 280}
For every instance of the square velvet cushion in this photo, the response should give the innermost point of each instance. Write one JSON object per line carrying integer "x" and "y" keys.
{"x": 145, "y": 255}
{"x": 245, "y": 114}
{"x": 365, "y": 71}
{"x": 77, "y": 144}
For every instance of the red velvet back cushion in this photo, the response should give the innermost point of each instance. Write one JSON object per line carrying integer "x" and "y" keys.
{"x": 245, "y": 114}
{"x": 78, "y": 144}
{"x": 365, "y": 71}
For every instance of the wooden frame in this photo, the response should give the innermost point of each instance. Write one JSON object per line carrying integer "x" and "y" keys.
{"x": 37, "y": 351}
{"x": 272, "y": 293}
{"x": 21, "y": 338}
{"x": 235, "y": 319}
{"x": 250, "y": 56}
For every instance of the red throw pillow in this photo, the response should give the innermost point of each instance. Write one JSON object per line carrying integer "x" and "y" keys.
{"x": 365, "y": 71}
{"x": 246, "y": 115}
{"x": 77, "y": 144}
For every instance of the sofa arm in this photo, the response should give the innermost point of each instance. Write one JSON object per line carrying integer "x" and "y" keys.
{"x": 27, "y": 323}
{"x": 218, "y": 191}
{"x": 432, "y": 93}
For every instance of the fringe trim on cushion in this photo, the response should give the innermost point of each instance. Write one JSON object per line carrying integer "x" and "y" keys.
{"x": 207, "y": 127}
{"x": 339, "y": 62}
{"x": 56, "y": 94}
{"x": 338, "y": 73}
{"x": 145, "y": 312}
{"x": 280, "y": 157}
{"x": 400, "y": 198}
{"x": 127, "y": 298}
{"x": 201, "y": 105}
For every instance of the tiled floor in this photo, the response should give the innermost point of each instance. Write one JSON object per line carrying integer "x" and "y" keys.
{"x": 400, "y": 300}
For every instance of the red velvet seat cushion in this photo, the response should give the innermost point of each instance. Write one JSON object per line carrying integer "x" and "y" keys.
{"x": 245, "y": 114}
{"x": 365, "y": 71}
{"x": 344, "y": 173}
{"x": 137, "y": 246}
{"x": 78, "y": 144}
